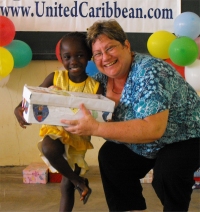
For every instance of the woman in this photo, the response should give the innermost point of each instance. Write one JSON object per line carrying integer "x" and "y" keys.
{"x": 155, "y": 125}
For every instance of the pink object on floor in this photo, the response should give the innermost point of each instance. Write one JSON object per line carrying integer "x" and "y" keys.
{"x": 35, "y": 173}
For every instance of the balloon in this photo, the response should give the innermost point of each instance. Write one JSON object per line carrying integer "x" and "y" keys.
{"x": 183, "y": 51}
{"x": 187, "y": 24}
{"x": 58, "y": 51}
{"x": 7, "y": 31}
{"x": 159, "y": 42}
{"x": 6, "y": 62}
{"x": 91, "y": 69}
{"x": 180, "y": 69}
{"x": 21, "y": 52}
{"x": 192, "y": 75}
{"x": 197, "y": 40}
{"x": 4, "y": 80}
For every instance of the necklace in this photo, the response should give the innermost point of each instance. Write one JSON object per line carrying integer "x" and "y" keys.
{"x": 78, "y": 91}
{"x": 113, "y": 88}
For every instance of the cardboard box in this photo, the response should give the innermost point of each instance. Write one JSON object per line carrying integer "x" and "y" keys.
{"x": 47, "y": 106}
{"x": 35, "y": 173}
{"x": 148, "y": 178}
{"x": 54, "y": 177}
{"x": 197, "y": 175}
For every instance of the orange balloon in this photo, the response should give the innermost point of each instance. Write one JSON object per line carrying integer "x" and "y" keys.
{"x": 180, "y": 69}
{"x": 58, "y": 51}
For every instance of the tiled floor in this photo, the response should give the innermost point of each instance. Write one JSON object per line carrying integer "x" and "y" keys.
{"x": 19, "y": 197}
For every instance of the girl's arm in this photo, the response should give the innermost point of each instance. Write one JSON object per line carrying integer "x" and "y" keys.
{"x": 18, "y": 111}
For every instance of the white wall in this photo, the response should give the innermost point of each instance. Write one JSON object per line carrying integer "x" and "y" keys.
{"x": 19, "y": 146}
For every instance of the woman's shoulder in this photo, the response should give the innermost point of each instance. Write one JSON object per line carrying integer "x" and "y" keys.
{"x": 146, "y": 64}
{"x": 142, "y": 58}
{"x": 100, "y": 77}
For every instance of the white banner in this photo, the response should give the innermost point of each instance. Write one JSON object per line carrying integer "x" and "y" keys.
{"x": 146, "y": 16}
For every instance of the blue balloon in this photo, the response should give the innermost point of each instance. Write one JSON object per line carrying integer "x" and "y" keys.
{"x": 187, "y": 24}
{"x": 91, "y": 69}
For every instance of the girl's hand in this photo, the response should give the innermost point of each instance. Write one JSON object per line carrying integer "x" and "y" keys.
{"x": 19, "y": 115}
{"x": 84, "y": 126}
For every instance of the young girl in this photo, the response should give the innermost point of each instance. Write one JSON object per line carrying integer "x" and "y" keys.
{"x": 65, "y": 151}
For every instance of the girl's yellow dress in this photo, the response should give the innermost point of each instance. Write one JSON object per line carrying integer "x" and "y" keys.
{"x": 75, "y": 145}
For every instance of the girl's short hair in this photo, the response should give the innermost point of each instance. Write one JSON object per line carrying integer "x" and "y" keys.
{"x": 77, "y": 36}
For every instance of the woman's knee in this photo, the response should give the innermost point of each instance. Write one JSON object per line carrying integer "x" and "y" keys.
{"x": 101, "y": 153}
{"x": 105, "y": 152}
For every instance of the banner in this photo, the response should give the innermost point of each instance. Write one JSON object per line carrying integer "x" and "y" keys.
{"x": 146, "y": 16}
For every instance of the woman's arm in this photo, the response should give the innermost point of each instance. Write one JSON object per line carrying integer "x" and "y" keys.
{"x": 144, "y": 130}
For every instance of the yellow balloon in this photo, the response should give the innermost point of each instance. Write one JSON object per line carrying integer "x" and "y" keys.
{"x": 6, "y": 62}
{"x": 159, "y": 42}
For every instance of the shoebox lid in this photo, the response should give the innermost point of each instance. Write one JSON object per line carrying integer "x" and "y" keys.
{"x": 36, "y": 169}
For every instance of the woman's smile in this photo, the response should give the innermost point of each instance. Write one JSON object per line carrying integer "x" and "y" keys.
{"x": 110, "y": 64}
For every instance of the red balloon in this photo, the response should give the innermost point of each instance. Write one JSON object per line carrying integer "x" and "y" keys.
{"x": 180, "y": 69}
{"x": 58, "y": 51}
{"x": 7, "y": 31}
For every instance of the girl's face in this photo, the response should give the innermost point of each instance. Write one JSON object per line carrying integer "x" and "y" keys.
{"x": 111, "y": 57}
{"x": 74, "y": 58}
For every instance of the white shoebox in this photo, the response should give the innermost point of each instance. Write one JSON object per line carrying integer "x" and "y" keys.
{"x": 49, "y": 106}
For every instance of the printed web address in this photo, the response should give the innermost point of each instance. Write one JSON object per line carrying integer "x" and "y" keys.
{"x": 82, "y": 10}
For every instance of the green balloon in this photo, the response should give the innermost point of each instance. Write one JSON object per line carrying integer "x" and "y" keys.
{"x": 21, "y": 52}
{"x": 183, "y": 51}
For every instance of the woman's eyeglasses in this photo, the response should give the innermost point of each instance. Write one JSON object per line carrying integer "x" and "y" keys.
{"x": 110, "y": 50}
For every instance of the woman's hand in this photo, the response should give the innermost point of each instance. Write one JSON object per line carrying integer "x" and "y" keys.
{"x": 84, "y": 126}
{"x": 19, "y": 115}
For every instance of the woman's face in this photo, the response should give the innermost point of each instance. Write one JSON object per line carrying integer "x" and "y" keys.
{"x": 111, "y": 57}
